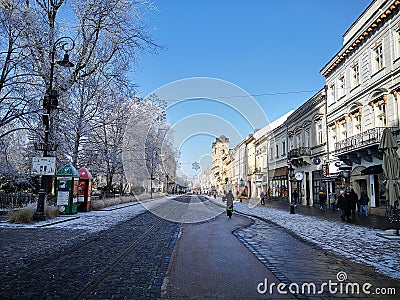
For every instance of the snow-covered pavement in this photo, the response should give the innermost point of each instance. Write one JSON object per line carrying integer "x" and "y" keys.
{"x": 93, "y": 221}
{"x": 357, "y": 243}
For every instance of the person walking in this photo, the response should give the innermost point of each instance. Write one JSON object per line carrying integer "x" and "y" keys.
{"x": 364, "y": 199}
{"x": 229, "y": 204}
{"x": 347, "y": 205}
{"x": 295, "y": 196}
{"x": 341, "y": 204}
{"x": 344, "y": 205}
{"x": 322, "y": 199}
{"x": 262, "y": 197}
{"x": 353, "y": 202}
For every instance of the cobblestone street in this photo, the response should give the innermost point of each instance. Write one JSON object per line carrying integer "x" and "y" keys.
{"x": 121, "y": 259}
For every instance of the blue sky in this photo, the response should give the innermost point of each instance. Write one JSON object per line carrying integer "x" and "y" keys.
{"x": 273, "y": 50}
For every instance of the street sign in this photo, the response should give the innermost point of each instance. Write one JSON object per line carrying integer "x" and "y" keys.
{"x": 45, "y": 147}
{"x": 43, "y": 165}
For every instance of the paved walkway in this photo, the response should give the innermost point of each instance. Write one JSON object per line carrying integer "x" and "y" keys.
{"x": 210, "y": 263}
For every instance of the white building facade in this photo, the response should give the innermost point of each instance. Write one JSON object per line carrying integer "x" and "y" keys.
{"x": 362, "y": 83}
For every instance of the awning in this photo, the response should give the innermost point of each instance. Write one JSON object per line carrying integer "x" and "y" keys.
{"x": 376, "y": 169}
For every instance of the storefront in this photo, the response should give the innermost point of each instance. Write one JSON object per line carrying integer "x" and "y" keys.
{"x": 278, "y": 185}
{"x": 317, "y": 184}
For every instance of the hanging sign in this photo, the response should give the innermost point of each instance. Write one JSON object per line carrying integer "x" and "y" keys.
{"x": 316, "y": 161}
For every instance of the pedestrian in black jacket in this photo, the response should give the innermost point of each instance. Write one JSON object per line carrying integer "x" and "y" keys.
{"x": 353, "y": 203}
{"x": 344, "y": 203}
{"x": 347, "y": 205}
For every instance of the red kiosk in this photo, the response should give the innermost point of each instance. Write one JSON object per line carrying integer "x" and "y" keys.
{"x": 84, "y": 189}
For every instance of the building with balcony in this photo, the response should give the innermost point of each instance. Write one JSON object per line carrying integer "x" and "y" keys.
{"x": 307, "y": 150}
{"x": 362, "y": 83}
{"x": 220, "y": 149}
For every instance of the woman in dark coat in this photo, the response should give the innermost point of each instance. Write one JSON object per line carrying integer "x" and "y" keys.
{"x": 347, "y": 205}
{"x": 229, "y": 204}
{"x": 344, "y": 203}
{"x": 354, "y": 203}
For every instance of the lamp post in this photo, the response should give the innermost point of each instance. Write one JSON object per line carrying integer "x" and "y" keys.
{"x": 290, "y": 173}
{"x": 166, "y": 185}
{"x": 153, "y": 155}
{"x": 50, "y": 103}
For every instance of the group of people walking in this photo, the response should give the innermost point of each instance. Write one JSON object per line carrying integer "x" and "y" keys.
{"x": 349, "y": 203}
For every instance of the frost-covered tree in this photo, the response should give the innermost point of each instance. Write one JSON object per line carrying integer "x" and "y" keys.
{"x": 107, "y": 35}
{"x": 18, "y": 76}
{"x": 148, "y": 151}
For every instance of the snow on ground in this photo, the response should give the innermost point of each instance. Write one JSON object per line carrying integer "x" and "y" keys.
{"x": 93, "y": 221}
{"x": 360, "y": 244}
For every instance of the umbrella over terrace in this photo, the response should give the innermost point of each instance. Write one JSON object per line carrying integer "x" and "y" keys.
{"x": 390, "y": 165}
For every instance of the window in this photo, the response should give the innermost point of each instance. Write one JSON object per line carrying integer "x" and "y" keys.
{"x": 342, "y": 86}
{"x": 332, "y": 134}
{"x": 277, "y": 151}
{"x": 355, "y": 75}
{"x": 377, "y": 57}
{"x": 356, "y": 123}
{"x": 291, "y": 143}
{"x": 283, "y": 148}
{"x": 333, "y": 92}
{"x": 397, "y": 43}
{"x": 343, "y": 130}
{"x": 319, "y": 133}
{"x": 298, "y": 140}
{"x": 381, "y": 114}
{"x": 307, "y": 138}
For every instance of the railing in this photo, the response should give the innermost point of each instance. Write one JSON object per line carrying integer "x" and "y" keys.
{"x": 298, "y": 152}
{"x": 15, "y": 200}
{"x": 366, "y": 138}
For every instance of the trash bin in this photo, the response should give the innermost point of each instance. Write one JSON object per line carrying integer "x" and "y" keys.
{"x": 84, "y": 190}
{"x": 67, "y": 189}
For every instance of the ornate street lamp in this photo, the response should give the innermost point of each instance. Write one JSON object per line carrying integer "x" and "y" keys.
{"x": 290, "y": 173}
{"x": 50, "y": 103}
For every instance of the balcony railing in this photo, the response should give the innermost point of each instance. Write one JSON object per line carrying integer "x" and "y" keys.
{"x": 361, "y": 140}
{"x": 299, "y": 152}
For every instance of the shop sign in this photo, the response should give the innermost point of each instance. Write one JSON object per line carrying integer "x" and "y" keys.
{"x": 317, "y": 161}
